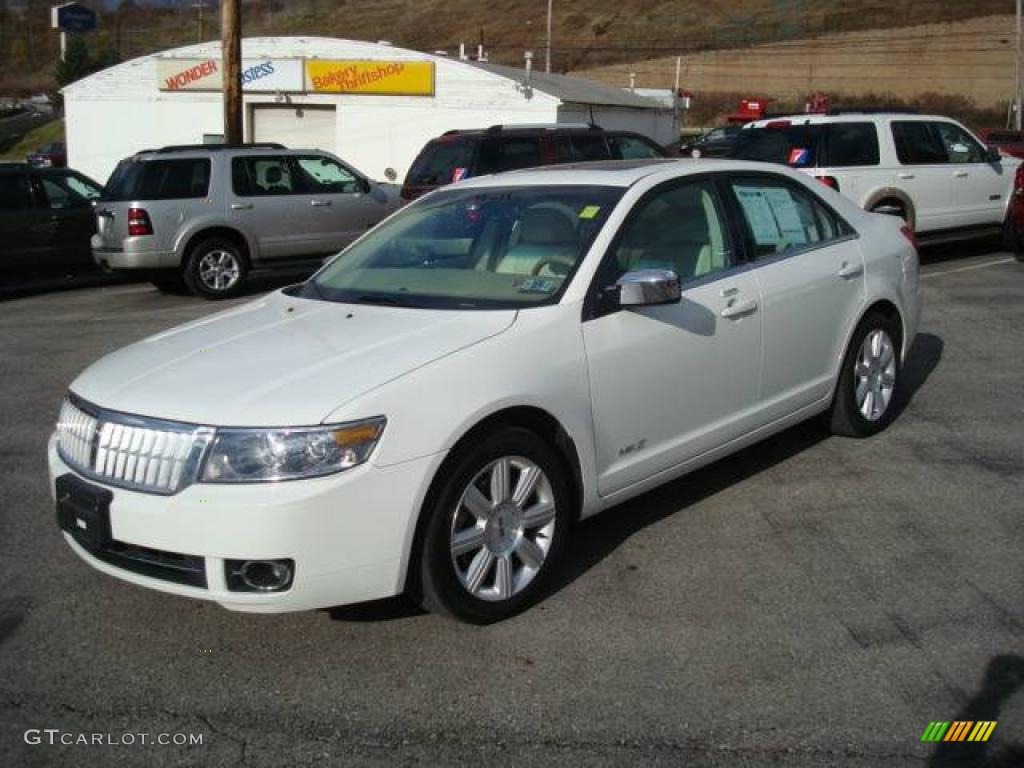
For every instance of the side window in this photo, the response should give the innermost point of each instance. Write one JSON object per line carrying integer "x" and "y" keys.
{"x": 58, "y": 196}
{"x": 852, "y": 144}
{"x": 625, "y": 147}
{"x": 268, "y": 175}
{"x": 781, "y": 217}
{"x": 321, "y": 175}
{"x": 80, "y": 186}
{"x": 960, "y": 146}
{"x": 581, "y": 149}
{"x": 508, "y": 154}
{"x": 15, "y": 193}
{"x": 917, "y": 144}
{"x": 679, "y": 228}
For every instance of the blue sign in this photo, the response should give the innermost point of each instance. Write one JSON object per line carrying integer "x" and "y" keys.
{"x": 73, "y": 17}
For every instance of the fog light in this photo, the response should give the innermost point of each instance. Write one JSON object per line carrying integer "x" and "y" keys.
{"x": 259, "y": 575}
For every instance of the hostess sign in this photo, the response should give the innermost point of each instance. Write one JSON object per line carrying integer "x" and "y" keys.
{"x": 283, "y": 75}
{"x": 358, "y": 76}
{"x": 394, "y": 78}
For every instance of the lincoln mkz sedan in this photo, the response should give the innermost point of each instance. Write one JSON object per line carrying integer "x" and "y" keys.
{"x": 434, "y": 408}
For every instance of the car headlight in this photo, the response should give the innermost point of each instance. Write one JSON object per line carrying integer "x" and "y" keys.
{"x": 261, "y": 455}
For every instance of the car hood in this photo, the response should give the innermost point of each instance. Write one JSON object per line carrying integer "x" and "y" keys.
{"x": 278, "y": 361}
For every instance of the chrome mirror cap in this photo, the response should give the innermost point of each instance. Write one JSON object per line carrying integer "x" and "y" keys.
{"x": 648, "y": 287}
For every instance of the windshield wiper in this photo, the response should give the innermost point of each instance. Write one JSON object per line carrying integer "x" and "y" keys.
{"x": 390, "y": 301}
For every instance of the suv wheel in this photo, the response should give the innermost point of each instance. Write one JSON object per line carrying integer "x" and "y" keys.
{"x": 865, "y": 399}
{"x": 216, "y": 269}
{"x": 496, "y": 529}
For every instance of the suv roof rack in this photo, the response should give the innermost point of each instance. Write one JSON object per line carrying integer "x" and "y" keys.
{"x": 214, "y": 147}
{"x": 872, "y": 110}
{"x": 543, "y": 126}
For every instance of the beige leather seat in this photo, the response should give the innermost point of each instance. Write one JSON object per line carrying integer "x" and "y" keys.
{"x": 545, "y": 235}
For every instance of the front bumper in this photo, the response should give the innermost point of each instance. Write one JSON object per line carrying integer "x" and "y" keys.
{"x": 349, "y": 534}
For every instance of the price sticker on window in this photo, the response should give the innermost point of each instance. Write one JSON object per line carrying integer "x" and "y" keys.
{"x": 590, "y": 211}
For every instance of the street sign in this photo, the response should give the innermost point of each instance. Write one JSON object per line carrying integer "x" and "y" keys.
{"x": 72, "y": 17}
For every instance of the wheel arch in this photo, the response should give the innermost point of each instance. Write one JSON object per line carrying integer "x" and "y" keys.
{"x": 537, "y": 420}
{"x": 896, "y": 195}
{"x": 190, "y": 240}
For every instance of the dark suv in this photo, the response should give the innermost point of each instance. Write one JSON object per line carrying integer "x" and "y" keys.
{"x": 457, "y": 155}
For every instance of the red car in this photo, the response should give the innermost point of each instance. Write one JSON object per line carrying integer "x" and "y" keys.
{"x": 1007, "y": 141}
{"x": 53, "y": 155}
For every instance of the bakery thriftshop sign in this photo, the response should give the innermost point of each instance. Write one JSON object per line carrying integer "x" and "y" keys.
{"x": 355, "y": 76}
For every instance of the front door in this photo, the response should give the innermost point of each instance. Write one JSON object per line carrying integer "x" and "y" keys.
{"x": 669, "y": 383}
{"x": 343, "y": 208}
{"x": 923, "y": 173}
{"x": 980, "y": 188}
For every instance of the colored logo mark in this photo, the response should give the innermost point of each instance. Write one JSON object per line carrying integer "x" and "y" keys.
{"x": 799, "y": 156}
{"x": 958, "y": 730}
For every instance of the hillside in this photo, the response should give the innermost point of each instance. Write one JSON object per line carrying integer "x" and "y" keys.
{"x": 587, "y": 33}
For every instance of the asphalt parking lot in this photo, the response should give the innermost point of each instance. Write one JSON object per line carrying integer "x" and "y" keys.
{"x": 811, "y": 601}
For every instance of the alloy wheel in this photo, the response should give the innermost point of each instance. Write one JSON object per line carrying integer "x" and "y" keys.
{"x": 874, "y": 375}
{"x": 502, "y": 528}
{"x": 219, "y": 270}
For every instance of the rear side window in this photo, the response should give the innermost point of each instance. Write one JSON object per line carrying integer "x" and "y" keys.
{"x": 626, "y": 147}
{"x": 917, "y": 143}
{"x": 794, "y": 145}
{"x": 781, "y": 217}
{"x": 852, "y": 144}
{"x": 508, "y": 154}
{"x": 581, "y": 149}
{"x": 15, "y": 193}
{"x": 441, "y": 162}
{"x": 159, "y": 179}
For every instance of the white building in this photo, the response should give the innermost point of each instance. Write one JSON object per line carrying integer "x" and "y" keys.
{"x": 372, "y": 104}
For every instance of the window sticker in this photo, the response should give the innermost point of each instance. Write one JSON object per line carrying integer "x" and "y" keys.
{"x": 773, "y": 216}
{"x": 784, "y": 208}
{"x": 590, "y": 211}
{"x": 537, "y": 285}
{"x": 799, "y": 156}
{"x": 459, "y": 174}
{"x": 759, "y": 215}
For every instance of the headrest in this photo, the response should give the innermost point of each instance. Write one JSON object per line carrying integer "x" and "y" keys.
{"x": 274, "y": 174}
{"x": 545, "y": 226}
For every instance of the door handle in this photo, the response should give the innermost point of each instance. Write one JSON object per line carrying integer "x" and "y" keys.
{"x": 241, "y": 206}
{"x": 850, "y": 270}
{"x": 904, "y": 175}
{"x": 961, "y": 174}
{"x": 738, "y": 309}
{"x": 319, "y": 203}
{"x": 727, "y": 292}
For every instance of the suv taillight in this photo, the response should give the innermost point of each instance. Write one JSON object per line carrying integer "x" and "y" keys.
{"x": 829, "y": 181}
{"x": 1018, "y": 182}
{"x": 138, "y": 222}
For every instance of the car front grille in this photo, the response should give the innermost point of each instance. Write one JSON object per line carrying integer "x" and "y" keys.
{"x": 148, "y": 455}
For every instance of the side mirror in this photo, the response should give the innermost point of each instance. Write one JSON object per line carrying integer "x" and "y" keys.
{"x": 993, "y": 155}
{"x": 648, "y": 287}
{"x": 364, "y": 185}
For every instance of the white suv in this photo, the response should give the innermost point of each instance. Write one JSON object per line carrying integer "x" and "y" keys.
{"x": 929, "y": 170}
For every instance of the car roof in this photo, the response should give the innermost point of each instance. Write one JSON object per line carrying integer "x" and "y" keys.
{"x": 843, "y": 117}
{"x": 496, "y": 131}
{"x": 616, "y": 173}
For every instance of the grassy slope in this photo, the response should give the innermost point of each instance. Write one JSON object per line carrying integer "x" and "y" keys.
{"x": 52, "y": 131}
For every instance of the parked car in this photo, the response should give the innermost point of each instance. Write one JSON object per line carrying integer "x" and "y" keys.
{"x": 458, "y": 155}
{"x": 46, "y": 220}
{"x": 928, "y": 170}
{"x": 1007, "y": 141}
{"x": 717, "y": 142}
{"x": 433, "y": 409}
{"x": 206, "y": 215}
{"x": 53, "y": 155}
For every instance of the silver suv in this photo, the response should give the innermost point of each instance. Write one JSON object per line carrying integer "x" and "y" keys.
{"x": 205, "y": 216}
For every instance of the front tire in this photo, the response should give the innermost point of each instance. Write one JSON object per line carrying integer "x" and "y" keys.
{"x": 496, "y": 529}
{"x": 1012, "y": 240}
{"x": 865, "y": 397}
{"x": 216, "y": 269}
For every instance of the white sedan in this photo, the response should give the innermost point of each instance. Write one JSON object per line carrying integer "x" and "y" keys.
{"x": 431, "y": 411}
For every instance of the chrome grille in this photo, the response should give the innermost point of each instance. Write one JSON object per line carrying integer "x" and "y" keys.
{"x": 130, "y": 451}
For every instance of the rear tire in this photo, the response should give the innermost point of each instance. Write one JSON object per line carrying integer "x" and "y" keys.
{"x": 1012, "y": 240}
{"x": 216, "y": 269}
{"x": 489, "y": 544}
{"x": 869, "y": 382}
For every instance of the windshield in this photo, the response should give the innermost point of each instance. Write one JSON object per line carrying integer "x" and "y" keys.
{"x": 508, "y": 247}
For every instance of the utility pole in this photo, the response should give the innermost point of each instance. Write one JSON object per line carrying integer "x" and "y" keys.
{"x": 200, "y": 6}
{"x": 231, "y": 61}
{"x": 1017, "y": 95}
{"x": 547, "y": 52}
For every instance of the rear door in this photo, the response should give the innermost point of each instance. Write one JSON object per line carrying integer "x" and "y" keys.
{"x": 343, "y": 207}
{"x": 810, "y": 272}
{"x": 25, "y": 228}
{"x": 508, "y": 153}
{"x": 980, "y": 188}
{"x": 923, "y": 173}
{"x": 270, "y": 203}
